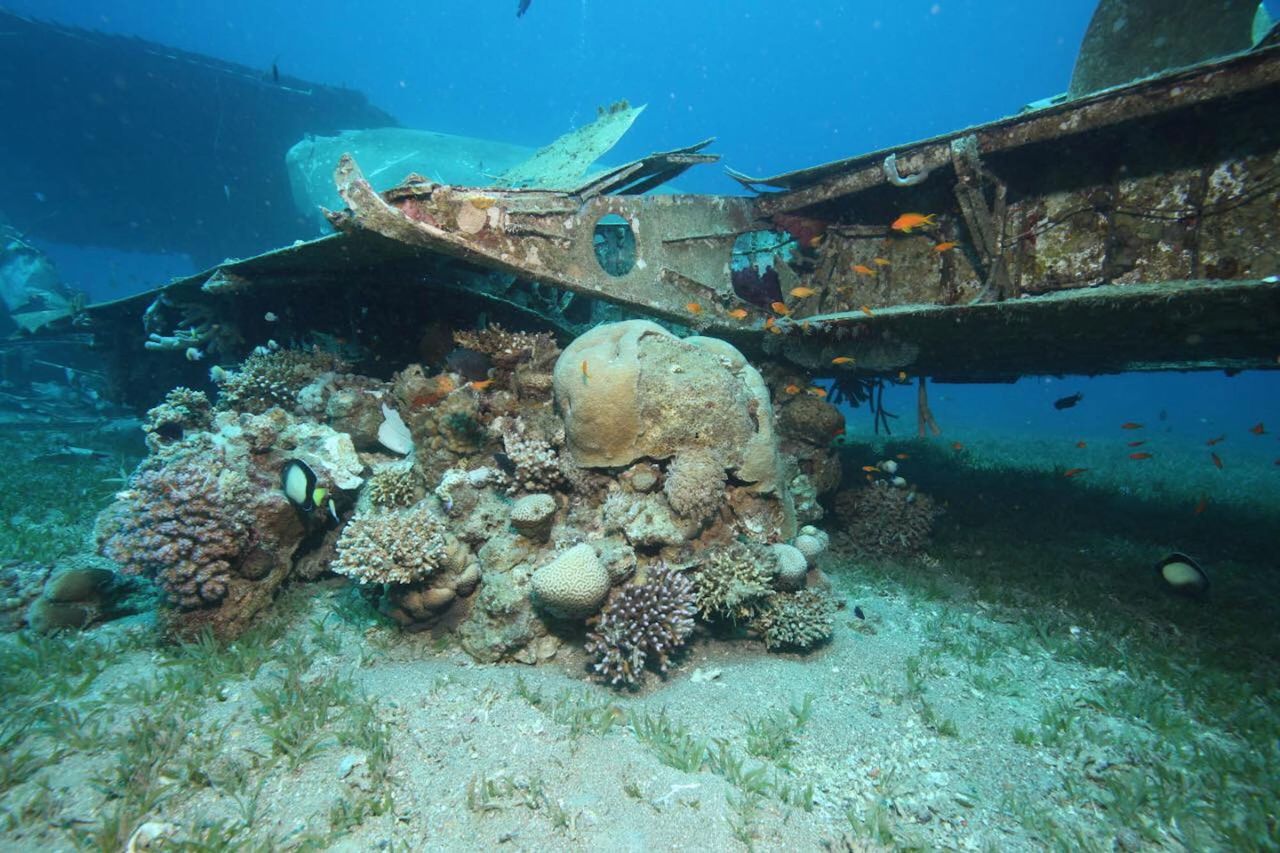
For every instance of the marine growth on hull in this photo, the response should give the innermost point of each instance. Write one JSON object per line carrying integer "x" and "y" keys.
{"x": 597, "y": 505}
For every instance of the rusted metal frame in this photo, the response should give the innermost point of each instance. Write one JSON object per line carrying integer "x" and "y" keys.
{"x": 986, "y": 226}
{"x": 1259, "y": 69}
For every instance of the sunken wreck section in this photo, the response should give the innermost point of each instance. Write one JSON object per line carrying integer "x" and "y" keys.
{"x": 587, "y": 502}
{"x": 1132, "y": 229}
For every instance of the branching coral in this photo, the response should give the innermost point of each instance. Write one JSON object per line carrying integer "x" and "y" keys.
{"x": 393, "y": 486}
{"x": 174, "y": 524}
{"x": 797, "y": 620}
{"x": 183, "y": 410}
{"x": 733, "y": 582}
{"x": 272, "y": 378}
{"x": 534, "y": 463}
{"x": 883, "y": 520}
{"x": 642, "y": 623}
{"x": 397, "y": 546}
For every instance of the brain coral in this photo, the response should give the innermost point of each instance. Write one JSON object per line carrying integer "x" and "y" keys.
{"x": 174, "y": 524}
{"x": 632, "y": 390}
{"x": 642, "y": 622}
{"x": 396, "y": 546}
{"x": 574, "y": 584}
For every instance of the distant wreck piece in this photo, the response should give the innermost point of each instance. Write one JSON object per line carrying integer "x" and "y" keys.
{"x": 1128, "y": 40}
{"x": 151, "y": 155}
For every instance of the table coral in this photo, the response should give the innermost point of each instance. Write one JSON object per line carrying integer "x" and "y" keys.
{"x": 272, "y": 378}
{"x": 642, "y": 624}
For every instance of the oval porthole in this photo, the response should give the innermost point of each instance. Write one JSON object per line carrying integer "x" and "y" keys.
{"x": 615, "y": 244}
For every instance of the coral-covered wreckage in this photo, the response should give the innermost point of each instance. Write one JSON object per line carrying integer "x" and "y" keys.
{"x": 601, "y": 501}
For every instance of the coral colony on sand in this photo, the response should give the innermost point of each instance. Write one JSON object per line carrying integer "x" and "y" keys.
{"x": 523, "y": 498}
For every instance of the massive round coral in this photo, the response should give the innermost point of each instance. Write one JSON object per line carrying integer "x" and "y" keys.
{"x": 633, "y": 390}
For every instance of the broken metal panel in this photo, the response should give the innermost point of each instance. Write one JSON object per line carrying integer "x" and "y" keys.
{"x": 1254, "y": 75}
{"x": 562, "y": 164}
{"x": 682, "y": 243}
{"x": 1175, "y": 181}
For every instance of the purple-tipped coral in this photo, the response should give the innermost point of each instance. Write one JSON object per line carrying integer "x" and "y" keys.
{"x": 173, "y": 525}
{"x": 642, "y": 622}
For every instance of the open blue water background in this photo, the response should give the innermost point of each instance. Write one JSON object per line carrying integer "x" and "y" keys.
{"x": 781, "y": 86}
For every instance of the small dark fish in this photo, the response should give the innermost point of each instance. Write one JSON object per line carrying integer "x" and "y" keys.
{"x": 1067, "y": 402}
{"x": 857, "y": 611}
{"x": 474, "y": 366}
{"x": 522, "y": 8}
{"x": 504, "y": 462}
{"x": 275, "y": 73}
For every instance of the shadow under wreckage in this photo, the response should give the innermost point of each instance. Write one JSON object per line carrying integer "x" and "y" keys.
{"x": 1130, "y": 229}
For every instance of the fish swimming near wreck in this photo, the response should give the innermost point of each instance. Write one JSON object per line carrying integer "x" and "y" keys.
{"x": 522, "y": 8}
{"x": 1067, "y": 402}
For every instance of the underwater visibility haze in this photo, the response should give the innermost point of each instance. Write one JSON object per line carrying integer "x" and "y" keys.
{"x": 640, "y": 426}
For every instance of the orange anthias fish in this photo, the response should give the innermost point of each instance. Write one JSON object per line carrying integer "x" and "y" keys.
{"x": 585, "y": 374}
{"x": 816, "y": 391}
{"x": 945, "y": 246}
{"x": 780, "y": 307}
{"x": 1211, "y": 442}
{"x": 1138, "y": 443}
{"x": 870, "y": 469}
{"x": 1201, "y": 505}
{"x": 482, "y": 384}
{"x": 1081, "y": 444}
{"x": 802, "y": 292}
{"x": 693, "y": 308}
{"x": 1072, "y": 472}
{"x": 1258, "y": 429}
{"x": 791, "y": 389}
{"x": 902, "y": 456}
{"x": 880, "y": 262}
{"x": 1217, "y": 460}
{"x": 866, "y": 310}
{"x": 1141, "y": 455}
{"x": 957, "y": 446}
{"x": 738, "y": 313}
{"x": 843, "y": 359}
{"x": 1130, "y": 425}
{"x": 908, "y": 222}
{"x": 772, "y": 326}
{"x": 863, "y": 269}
